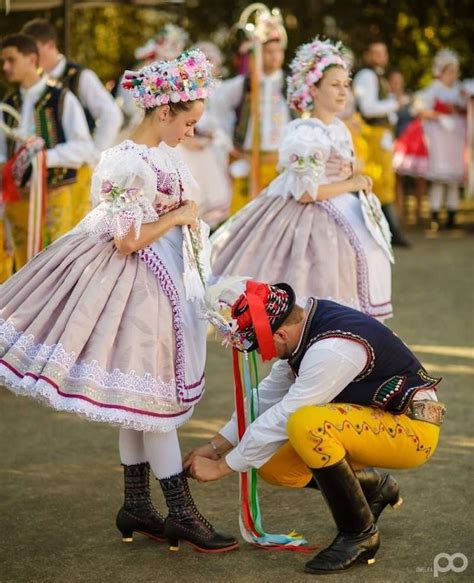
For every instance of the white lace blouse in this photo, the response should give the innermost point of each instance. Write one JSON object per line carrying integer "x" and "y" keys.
{"x": 133, "y": 185}
{"x": 311, "y": 154}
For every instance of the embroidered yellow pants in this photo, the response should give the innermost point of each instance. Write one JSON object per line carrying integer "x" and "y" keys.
{"x": 321, "y": 436}
{"x": 58, "y": 221}
{"x": 81, "y": 194}
{"x": 378, "y": 162}
{"x": 240, "y": 186}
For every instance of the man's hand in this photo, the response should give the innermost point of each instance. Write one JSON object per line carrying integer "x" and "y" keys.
{"x": 205, "y": 451}
{"x": 207, "y": 470}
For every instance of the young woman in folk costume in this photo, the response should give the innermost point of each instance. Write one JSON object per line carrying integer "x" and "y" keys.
{"x": 314, "y": 227}
{"x": 100, "y": 322}
{"x": 433, "y": 145}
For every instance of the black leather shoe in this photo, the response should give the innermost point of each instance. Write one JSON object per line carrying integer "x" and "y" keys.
{"x": 358, "y": 539}
{"x": 346, "y": 551}
{"x": 138, "y": 513}
{"x": 186, "y": 523}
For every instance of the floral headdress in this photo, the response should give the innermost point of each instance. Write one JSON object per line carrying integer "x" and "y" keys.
{"x": 442, "y": 59}
{"x": 167, "y": 44}
{"x": 185, "y": 79}
{"x": 170, "y": 42}
{"x": 269, "y": 27}
{"x": 212, "y": 52}
{"x": 308, "y": 67}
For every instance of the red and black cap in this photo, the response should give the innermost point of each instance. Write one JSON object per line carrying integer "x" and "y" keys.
{"x": 259, "y": 312}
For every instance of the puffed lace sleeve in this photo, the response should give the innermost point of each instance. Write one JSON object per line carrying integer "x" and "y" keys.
{"x": 302, "y": 160}
{"x": 123, "y": 190}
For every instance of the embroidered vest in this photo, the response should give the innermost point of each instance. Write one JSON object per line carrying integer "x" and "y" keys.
{"x": 70, "y": 80}
{"x": 243, "y": 111}
{"x": 392, "y": 374}
{"x": 383, "y": 93}
{"x": 48, "y": 125}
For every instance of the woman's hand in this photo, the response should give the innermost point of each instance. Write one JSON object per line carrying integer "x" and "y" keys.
{"x": 362, "y": 182}
{"x": 306, "y": 199}
{"x": 186, "y": 214}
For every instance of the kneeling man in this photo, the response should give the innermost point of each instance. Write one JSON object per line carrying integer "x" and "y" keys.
{"x": 346, "y": 394}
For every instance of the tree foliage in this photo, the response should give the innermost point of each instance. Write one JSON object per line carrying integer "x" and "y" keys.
{"x": 105, "y": 38}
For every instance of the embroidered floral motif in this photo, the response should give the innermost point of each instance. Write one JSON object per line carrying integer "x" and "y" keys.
{"x": 119, "y": 197}
{"x": 313, "y": 162}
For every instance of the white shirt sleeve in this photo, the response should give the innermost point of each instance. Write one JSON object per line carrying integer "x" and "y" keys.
{"x": 366, "y": 92}
{"x": 271, "y": 390}
{"x": 106, "y": 113}
{"x": 226, "y": 99}
{"x": 77, "y": 148}
{"x": 327, "y": 368}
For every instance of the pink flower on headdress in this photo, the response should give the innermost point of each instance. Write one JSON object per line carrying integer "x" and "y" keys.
{"x": 200, "y": 93}
{"x": 149, "y": 100}
{"x": 165, "y": 99}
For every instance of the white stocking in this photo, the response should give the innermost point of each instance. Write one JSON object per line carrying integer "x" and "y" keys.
{"x": 452, "y": 197}
{"x": 436, "y": 196}
{"x": 161, "y": 450}
{"x": 131, "y": 447}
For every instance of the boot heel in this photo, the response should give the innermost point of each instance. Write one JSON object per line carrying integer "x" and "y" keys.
{"x": 398, "y": 502}
{"x": 174, "y": 545}
{"x": 127, "y": 537}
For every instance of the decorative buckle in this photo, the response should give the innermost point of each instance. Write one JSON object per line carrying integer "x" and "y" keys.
{"x": 426, "y": 410}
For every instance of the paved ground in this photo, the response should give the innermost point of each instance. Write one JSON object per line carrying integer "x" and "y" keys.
{"x": 61, "y": 484}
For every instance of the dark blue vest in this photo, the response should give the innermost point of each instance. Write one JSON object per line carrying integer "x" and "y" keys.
{"x": 392, "y": 374}
{"x": 48, "y": 125}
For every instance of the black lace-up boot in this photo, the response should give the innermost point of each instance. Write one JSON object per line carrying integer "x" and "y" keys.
{"x": 379, "y": 489}
{"x": 357, "y": 540}
{"x": 186, "y": 523}
{"x": 138, "y": 513}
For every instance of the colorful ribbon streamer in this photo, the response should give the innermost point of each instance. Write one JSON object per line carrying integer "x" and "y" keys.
{"x": 246, "y": 407}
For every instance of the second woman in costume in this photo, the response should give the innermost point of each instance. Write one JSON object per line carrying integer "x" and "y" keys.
{"x": 315, "y": 227}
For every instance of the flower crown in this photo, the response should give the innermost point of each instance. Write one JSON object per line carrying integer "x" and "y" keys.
{"x": 308, "y": 67}
{"x": 167, "y": 44}
{"x": 187, "y": 78}
{"x": 269, "y": 26}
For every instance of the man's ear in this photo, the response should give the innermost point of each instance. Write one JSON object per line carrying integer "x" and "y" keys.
{"x": 281, "y": 334}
